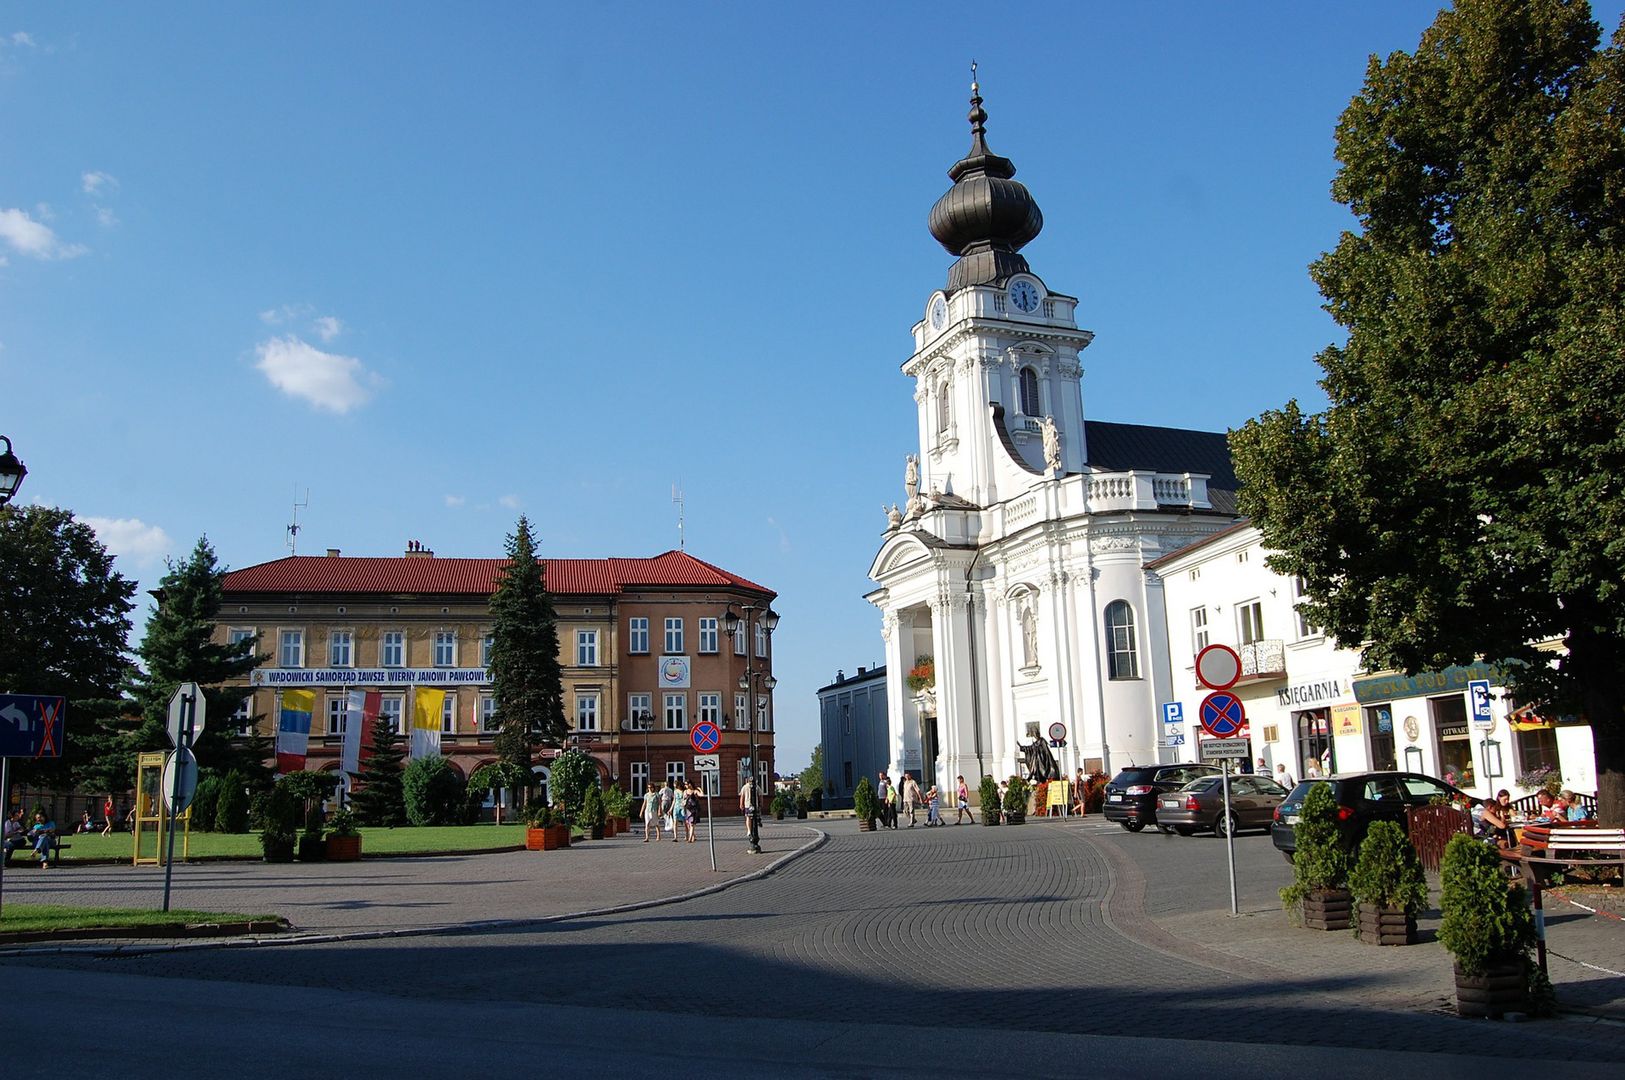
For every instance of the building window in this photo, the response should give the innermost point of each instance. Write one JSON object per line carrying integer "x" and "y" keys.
{"x": 338, "y": 648}
{"x": 674, "y": 773}
{"x": 708, "y": 635}
{"x": 448, "y": 714}
{"x": 711, "y": 783}
{"x": 741, "y": 712}
{"x": 711, "y": 708}
{"x": 243, "y": 716}
{"x": 674, "y": 636}
{"x": 676, "y": 712}
{"x": 1454, "y": 745}
{"x": 392, "y": 649}
{"x": 846, "y": 719}
{"x": 1537, "y": 747}
{"x": 640, "y": 711}
{"x": 1241, "y": 556}
{"x": 763, "y": 784}
{"x": 487, "y": 643}
{"x": 292, "y": 652}
{"x": 1199, "y": 639}
{"x": 1250, "y": 619}
{"x": 1306, "y": 629}
{"x": 1122, "y": 658}
{"x": 764, "y": 719}
{"x": 337, "y": 709}
{"x": 587, "y": 648}
{"x": 239, "y": 634}
{"x": 488, "y": 714}
{"x": 943, "y": 414}
{"x": 389, "y": 710}
{"x": 640, "y": 778}
{"x": 637, "y": 632}
{"x": 445, "y": 648}
{"x": 761, "y": 640}
{"x": 1379, "y": 724}
{"x": 1030, "y": 405}
{"x": 739, "y": 638}
{"x": 586, "y": 712}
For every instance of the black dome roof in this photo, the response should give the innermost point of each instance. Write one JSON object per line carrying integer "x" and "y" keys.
{"x": 986, "y": 217}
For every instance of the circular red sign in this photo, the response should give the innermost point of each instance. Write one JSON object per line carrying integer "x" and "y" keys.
{"x": 1222, "y": 715}
{"x": 1218, "y": 667}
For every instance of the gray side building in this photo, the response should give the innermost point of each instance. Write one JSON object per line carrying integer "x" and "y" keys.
{"x": 852, "y": 717}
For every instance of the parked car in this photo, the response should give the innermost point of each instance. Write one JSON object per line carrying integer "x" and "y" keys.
{"x": 1361, "y": 798}
{"x": 1199, "y": 805}
{"x": 1131, "y": 795}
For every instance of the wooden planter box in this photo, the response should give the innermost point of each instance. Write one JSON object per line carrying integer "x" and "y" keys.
{"x": 1500, "y": 990}
{"x": 866, "y": 824}
{"x": 1385, "y": 925}
{"x": 344, "y": 848}
{"x": 1329, "y": 909}
{"x": 611, "y": 827}
{"x": 547, "y": 839}
{"x": 1015, "y": 817}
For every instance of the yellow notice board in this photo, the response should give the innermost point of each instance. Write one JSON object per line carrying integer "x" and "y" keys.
{"x": 1346, "y": 720}
{"x": 1058, "y": 794}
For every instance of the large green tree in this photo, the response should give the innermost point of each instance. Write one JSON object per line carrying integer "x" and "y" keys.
{"x": 527, "y": 681}
{"x": 177, "y": 647}
{"x": 65, "y": 614}
{"x": 1463, "y": 495}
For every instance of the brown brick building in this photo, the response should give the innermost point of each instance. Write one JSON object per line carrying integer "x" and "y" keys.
{"x": 643, "y": 643}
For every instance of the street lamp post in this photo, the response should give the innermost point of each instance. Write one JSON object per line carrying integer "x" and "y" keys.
{"x": 647, "y": 719}
{"x": 12, "y": 472}
{"x": 768, "y": 620}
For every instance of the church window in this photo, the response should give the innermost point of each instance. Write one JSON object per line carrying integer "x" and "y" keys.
{"x": 942, "y": 410}
{"x": 1030, "y": 405}
{"x": 1122, "y": 657}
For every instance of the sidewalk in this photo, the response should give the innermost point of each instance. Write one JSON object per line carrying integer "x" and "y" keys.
{"x": 419, "y": 893}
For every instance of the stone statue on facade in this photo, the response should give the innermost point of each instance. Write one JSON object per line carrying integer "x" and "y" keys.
{"x": 1052, "y": 444}
{"x": 1029, "y": 635}
{"x": 894, "y": 516}
{"x": 911, "y": 479}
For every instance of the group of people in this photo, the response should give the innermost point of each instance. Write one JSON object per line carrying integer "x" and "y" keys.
{"x": 1495, "y": 816}
{"x": 905, "y": 798}
{"x": 672, "y": 808}
{"x": 1282, "y": 776}
{"x": 40, "y": 837}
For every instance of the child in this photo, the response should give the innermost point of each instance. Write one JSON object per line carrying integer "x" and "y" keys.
{"x": 931, "y": 803}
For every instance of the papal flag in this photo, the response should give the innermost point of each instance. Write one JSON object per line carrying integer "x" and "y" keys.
{"x": 426, "y": 708}
{"x": 360, "y": 713}
{"x": 293, "y": 729}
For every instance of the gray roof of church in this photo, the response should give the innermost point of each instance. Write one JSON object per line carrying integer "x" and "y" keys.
{"x": 1118, "y": 447}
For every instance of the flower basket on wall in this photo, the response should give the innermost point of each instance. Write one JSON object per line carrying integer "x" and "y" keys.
{"x": 923, "y": 675}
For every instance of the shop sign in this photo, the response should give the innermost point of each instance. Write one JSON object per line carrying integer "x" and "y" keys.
{"x": 1452, "y": 731}
{"x": 1310, "y": 693}
{"x": 1346, "y": 720}
{"x": 1423, "y": 683}
{"x": 369, "y": 676}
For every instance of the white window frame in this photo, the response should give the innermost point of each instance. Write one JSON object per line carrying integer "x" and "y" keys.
{"x": 488, "y": 713}
{"x": 1250, "y": 621}
{"x": 487, "y": 643}
{"x": 338, "y": 707}
{"x": 244, "y": 714}
{"x": 711, "y": 707}
{"x": 761, "y": 640}
{"x": 674, "y": 711}
{"x": 293, "y": 637}
{"x": 397, "y": 716}
{"x": 676, "y": 772}
{"x": 637, "y": 635}
{"x": 711, "y": 783}
{"x": 639, "y": 779}
{"x": 739, "y": 638}
{"x": 341, "y": 648}
{"x": 636, "y": 706}
{"x": 389, "y": 638}
{"x": 764, "y": 713}
{"x": 236, "y": 635}
{"x": 448, "y": 713}
{"x": 445, "y": 648}
{"x": 1122, "y": 642}
{"x": 586, "y": 648}
{"x": 708, "y": 634}
{"x": 587, "y": 711}
{"x": 1200, "y": 638}
{"x": 674, "y": 635}
{"x": 742, "y": 712}
{"x": 1306, "y": 629}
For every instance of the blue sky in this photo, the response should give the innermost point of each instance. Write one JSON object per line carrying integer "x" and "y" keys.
{"x": 440, "y": 264}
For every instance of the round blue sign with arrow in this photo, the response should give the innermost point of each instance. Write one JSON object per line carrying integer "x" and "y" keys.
{"x": 1222, "y": 714}
{"x": 704, "y": 737}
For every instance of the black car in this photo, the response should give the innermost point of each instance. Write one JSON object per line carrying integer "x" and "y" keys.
{"x": 1361, "y": 799}
{"x": 1131, "y": 795}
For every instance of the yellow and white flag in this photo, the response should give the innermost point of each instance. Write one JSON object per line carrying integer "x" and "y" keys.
{"x": 427, "y": 706}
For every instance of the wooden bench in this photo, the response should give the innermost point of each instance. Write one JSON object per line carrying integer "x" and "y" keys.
{"x": 1529, "y": 805}
{"x": 1542, "y": 848}
{"x": 28, "y": 847}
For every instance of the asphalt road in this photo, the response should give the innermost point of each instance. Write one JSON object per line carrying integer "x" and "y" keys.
{"x": 964, "y": 950}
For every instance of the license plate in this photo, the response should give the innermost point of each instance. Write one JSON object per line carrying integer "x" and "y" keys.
{"x": 1114, "y": 798}
{"x": 1170, "y": 804}
{"x": 1291, "y": 819}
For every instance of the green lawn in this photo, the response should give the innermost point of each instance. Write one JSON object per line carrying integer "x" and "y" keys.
{"x": 22, "y": 918}
{"x": 402, "y": 841}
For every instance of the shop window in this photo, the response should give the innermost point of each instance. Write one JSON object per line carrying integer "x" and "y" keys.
{"x": 1453, "y": 739}
{"x": 1538, "y": 747}
{"x": 1379, "y": 726}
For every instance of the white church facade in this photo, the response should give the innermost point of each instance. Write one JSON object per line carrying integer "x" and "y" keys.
{"x": 1017, "y": 561}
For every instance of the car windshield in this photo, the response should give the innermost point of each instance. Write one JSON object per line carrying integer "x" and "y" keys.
{"x": 1133, "y": 776}
{"x": 1201, "y": 783}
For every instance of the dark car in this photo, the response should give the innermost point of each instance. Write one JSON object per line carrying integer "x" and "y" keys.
{"x": 1131, "y": 795}
{"x": 1361, "y": 799}
{"x": 1200, "y": 805}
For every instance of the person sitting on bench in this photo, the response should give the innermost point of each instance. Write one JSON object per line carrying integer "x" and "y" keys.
{"x": 41, "y": 836}
{"x": 1576, "y": 809}
{"x": 1495, "y": 820}
{"x": 16, "y": 837}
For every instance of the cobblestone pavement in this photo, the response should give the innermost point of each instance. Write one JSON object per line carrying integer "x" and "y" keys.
{"x": 1055, "y": 927}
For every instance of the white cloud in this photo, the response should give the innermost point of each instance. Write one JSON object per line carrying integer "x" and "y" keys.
{"x": 326, "y": 380}
{"x": 329, "y": 327}
{"x": 22, "y": 38}
{"x": 98, "y": 183}
{"x": 106, "y": 217}
{"x": 455, "y": 501}
{"x": 34, "y": 238}
{"x": 510, "y": 502}
{"x": 132, "y": 538}
{"x": 286, "y": 313}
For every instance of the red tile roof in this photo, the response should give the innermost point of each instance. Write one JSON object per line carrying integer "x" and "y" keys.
{"x": 597, "y": 577}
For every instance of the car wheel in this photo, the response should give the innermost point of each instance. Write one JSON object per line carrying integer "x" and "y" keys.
{"x": 1133, "y": 826}
{"x": 1183, "y": 830}
{"x": 1166, "y": 830}
{"x": 1225, "y": 825}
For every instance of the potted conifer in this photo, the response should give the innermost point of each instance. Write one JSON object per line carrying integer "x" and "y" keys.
{"x": 1015, "y": 802}
{"x": 1488, "y": 928}
{"x": 1388, "y": 887}
{"x": 989, "y": 792}
{"x": 1320, "y": 865}
{"x": 592, "y": 812}
{"x": 866, "y": 805}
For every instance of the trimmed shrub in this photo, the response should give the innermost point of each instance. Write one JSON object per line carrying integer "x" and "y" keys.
{"x": 1484, "y": 921}
{"x": 1388, "y": 873}
{"x": 434, "y": 792}
{"x": 231, "y": 811}
{"x": 1321, "y": 859}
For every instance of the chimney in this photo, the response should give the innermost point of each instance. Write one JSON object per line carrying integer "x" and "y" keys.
{"x": 862, "y": 671}
{"x": 332, "y": 553}
{"x": 416, "y": 550}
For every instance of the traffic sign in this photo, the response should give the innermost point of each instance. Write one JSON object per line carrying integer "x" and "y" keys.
{"x": 32, "y": 726}
{"x": 180, "y": 779}
{"x": 1057, "y": 731}
{"x": 1222, "y": 714}
{"x": 1218, "y": 667}
{"x": 1478, "y": 691}
{"x": 186, "y": 692}
{"x": 1173, "y": 713}
{"x": 1177, "y": 739}
{"x": 705, "y": 737}
{"x": 1225, "y": 748}
{"x": 707, "y": 762}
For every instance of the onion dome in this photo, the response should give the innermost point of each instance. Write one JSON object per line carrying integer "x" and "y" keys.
{"x": 986, "y": 217}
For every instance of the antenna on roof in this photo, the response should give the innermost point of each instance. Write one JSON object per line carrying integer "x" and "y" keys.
{"x": 293, "y": 526}
{"x": 677, "y": 497}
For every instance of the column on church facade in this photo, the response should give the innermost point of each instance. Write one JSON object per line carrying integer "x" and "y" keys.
{"x": 897, "y": 628}
{"x": 995, "y": 628}
{"x": 956, "y": 689}
{"x": 1063, "y": 639}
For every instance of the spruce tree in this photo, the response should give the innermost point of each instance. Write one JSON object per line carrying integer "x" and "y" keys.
{"x": 380, "y": 799}
{"x": 527, "y": 681}
{"x": 177, "y": 648}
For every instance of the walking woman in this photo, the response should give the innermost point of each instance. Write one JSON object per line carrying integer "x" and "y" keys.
{"x": 651, "y": 812}
{"x": 679, "y": 814}
{"x": 691, "y": 809}
{"x": 962, "y": 797}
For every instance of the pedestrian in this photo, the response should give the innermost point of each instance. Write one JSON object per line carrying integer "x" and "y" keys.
{"x": 691, "y": 807}
{"x": 651, "y": 812}
{"x": 962, "y": 800}
{"x": 932, "y": 801}
{"x": 891, "y": 802}
{"x": 1004, "y": 789}
{"x": 107, "y": 813}
{"x": 911, "y": 798}
{"x": 679, "y": 813}
{"x": 882, "y": 791}
{"x": 1284, "y": 778}
{"x": 1311, "y": 770}
{"x": 16, "y": 837}
{"x": 1078, "y": 806}
{"x": 1261, "y": 769}
{"x": 667, "y": 798}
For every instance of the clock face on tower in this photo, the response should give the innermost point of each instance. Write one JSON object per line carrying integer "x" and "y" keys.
{"x": 1024, "y": 295}
{"x": 939, "y": 313}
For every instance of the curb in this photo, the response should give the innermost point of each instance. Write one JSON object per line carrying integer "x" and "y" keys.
{"x": 175, "y": 930}
{"x": 820, "y": 837}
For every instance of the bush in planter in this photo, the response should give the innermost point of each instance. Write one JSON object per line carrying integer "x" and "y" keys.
{"x": 572, "y": 774}
{"x": 865, "y": 803}
{"x": 277, "y": 812}
{"x": 801, "y": 806}
{"x": 313, "y": 843}
{"x": 343, "y": 837}
{"x": 617, "y": 803}
{"x": 1320, "y": 865}
{"x": 1489, "y": 929}
{"x": 989, "y": 793}
{"x": 592, "y": 812}
{"x": 783, "y": 803}
{"x": 1388, "y": 884}
{"x": 1015, "y": 801}
{"x": 433, "y": 791}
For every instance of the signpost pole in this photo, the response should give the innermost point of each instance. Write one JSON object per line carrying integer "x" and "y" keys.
{"x": 188, "y": 703}
{"x": 711, "y": 822}
{"x": 1229, "y": 838}
{"x": 5, "y": 809}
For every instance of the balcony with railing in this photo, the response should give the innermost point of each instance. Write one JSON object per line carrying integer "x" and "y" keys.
{"x": 1144, "y": 490}
{"x": 1263, "y": 660}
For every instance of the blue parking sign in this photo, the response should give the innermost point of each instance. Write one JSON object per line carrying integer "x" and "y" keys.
{"x": 1173, "y": 712}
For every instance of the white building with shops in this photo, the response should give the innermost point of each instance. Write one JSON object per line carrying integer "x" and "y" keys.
{"x": 1309, "y": 701}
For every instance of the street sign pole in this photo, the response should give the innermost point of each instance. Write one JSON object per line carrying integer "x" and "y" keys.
{"x": 5, "y": 808}
{"x": 184, "y": 746}
{"x": 711, "y": 822}
{"x": 1230, "y": 838}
